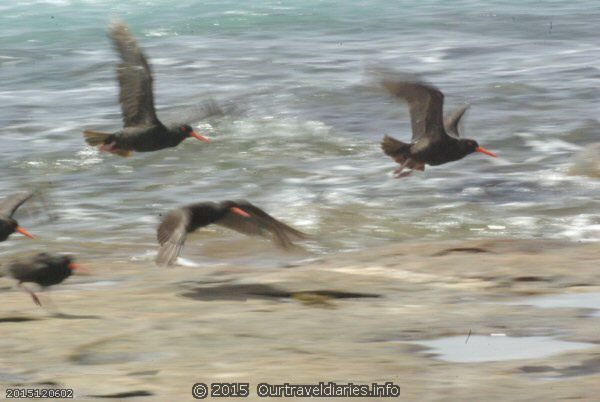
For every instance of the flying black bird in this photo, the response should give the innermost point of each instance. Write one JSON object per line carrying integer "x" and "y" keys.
{"x": 42, "y": 269}
{"x": 433, "y": 143}
{"x": 8, "y": 207}
{"x": 142, "y": 131}
{"x": 240, "y": 216}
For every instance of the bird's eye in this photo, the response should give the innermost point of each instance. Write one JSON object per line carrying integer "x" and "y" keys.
{"x": 182, "y": 129}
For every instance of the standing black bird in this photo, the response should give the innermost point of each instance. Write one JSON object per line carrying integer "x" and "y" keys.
{"x": 240, "y": 216}
{"x": 8, "y": 206}
{"x": 431, "y": 144}
{"x": 142, "y": 131}
{"x": 43, "y": 269}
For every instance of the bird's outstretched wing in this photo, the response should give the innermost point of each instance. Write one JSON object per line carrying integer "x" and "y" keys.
{"x": 194, "y": 114}
{"x": 452, "y": 122}
{"x": 171, "y": 236}
{"x": 261, "y": 223}
{"x": 426, "y": 107}
{"x": 10, "y": 204}
{"x": 135, "y": 79}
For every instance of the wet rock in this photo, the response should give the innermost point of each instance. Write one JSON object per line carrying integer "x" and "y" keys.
{"x": 587, "y": 367}
{"x": 122, "y": 395}
{"x": 460, "y": 250}
{"x": 17, "y": 319}
{"x": 113, "y": 350}
{"x": 243, "y": 292}
{"x": 144, "y": 373}
{"x": 530, "y": 279}
{"x": 150, "y": 338}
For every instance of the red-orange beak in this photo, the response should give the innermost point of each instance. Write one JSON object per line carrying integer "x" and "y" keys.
{"x": 24, "y": 232}
{"x": 198, "y": 136}
{"x": 79, "y": 268}
{"x": 240, "y": 212}
{"x": 485, "y": 151}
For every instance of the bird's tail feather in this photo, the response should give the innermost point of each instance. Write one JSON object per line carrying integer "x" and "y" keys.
{"x": 398, "y": 150}
{"x": 94, "y": 138}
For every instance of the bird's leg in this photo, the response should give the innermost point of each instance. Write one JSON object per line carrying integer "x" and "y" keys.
{"x": 412, "y": 165}
{"x": 398, "y": 171}
{"x": 398, "y": 174}
{"x": 401, "y": 175}
{"x": 107, "y": 147}
{"x": 111, "y": 148}
{"x": 36, "y": 300}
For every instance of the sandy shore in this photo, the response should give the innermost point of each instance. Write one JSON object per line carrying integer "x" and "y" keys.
{"x": 138, "y": 329}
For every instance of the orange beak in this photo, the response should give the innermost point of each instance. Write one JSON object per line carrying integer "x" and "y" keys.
{"x": 240, "y": 212}
{"x": 198, "y": 136}
{"x": 485, "y": 151}
{"x": 24, "y": 232}
{"x": 80, "y": 269}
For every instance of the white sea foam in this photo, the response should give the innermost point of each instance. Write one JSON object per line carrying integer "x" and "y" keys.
{"x": 552, "y": 145}
{"x": 184, "y": 262}
{"x": 584, "y": 227}
{"x": 306, "y": 146}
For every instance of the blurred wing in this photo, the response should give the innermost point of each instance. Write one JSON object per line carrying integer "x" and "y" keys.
{"x": 135, "y": 80}
{"x": 426, "y": 107}
{"x": 194, "y": 114}
{"x": 451, "y": 124}
{"x": 171, "y": 236}
{"x": 261, "y": 224}
{"x": 10, "y": 204}
{"x": 256, "y": 211}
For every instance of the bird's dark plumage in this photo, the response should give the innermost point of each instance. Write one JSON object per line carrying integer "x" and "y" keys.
{"x": 240, "y": 216}
{"x": 42, "y": 269}
{"x": 433, "y": 141}
{"x": 135, "y": 80}
{"x": 142, "y": 130}
{"x": 426, "y": 107}
{"x": 8, "y": 206}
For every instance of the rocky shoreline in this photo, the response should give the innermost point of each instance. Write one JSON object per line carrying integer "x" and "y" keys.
{"x": 132, "y": 330}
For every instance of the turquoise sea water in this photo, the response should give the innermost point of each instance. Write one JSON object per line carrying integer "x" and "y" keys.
{"x": 306, "y": 146}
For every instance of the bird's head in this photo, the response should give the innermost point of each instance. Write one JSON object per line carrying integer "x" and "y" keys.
{"x": 74, "y": 267}
{"x": 470, "y": 146}
{"x": 187, "y": 131}
{"x": 69, "y": 262}
{"x": 12, "y": 226}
